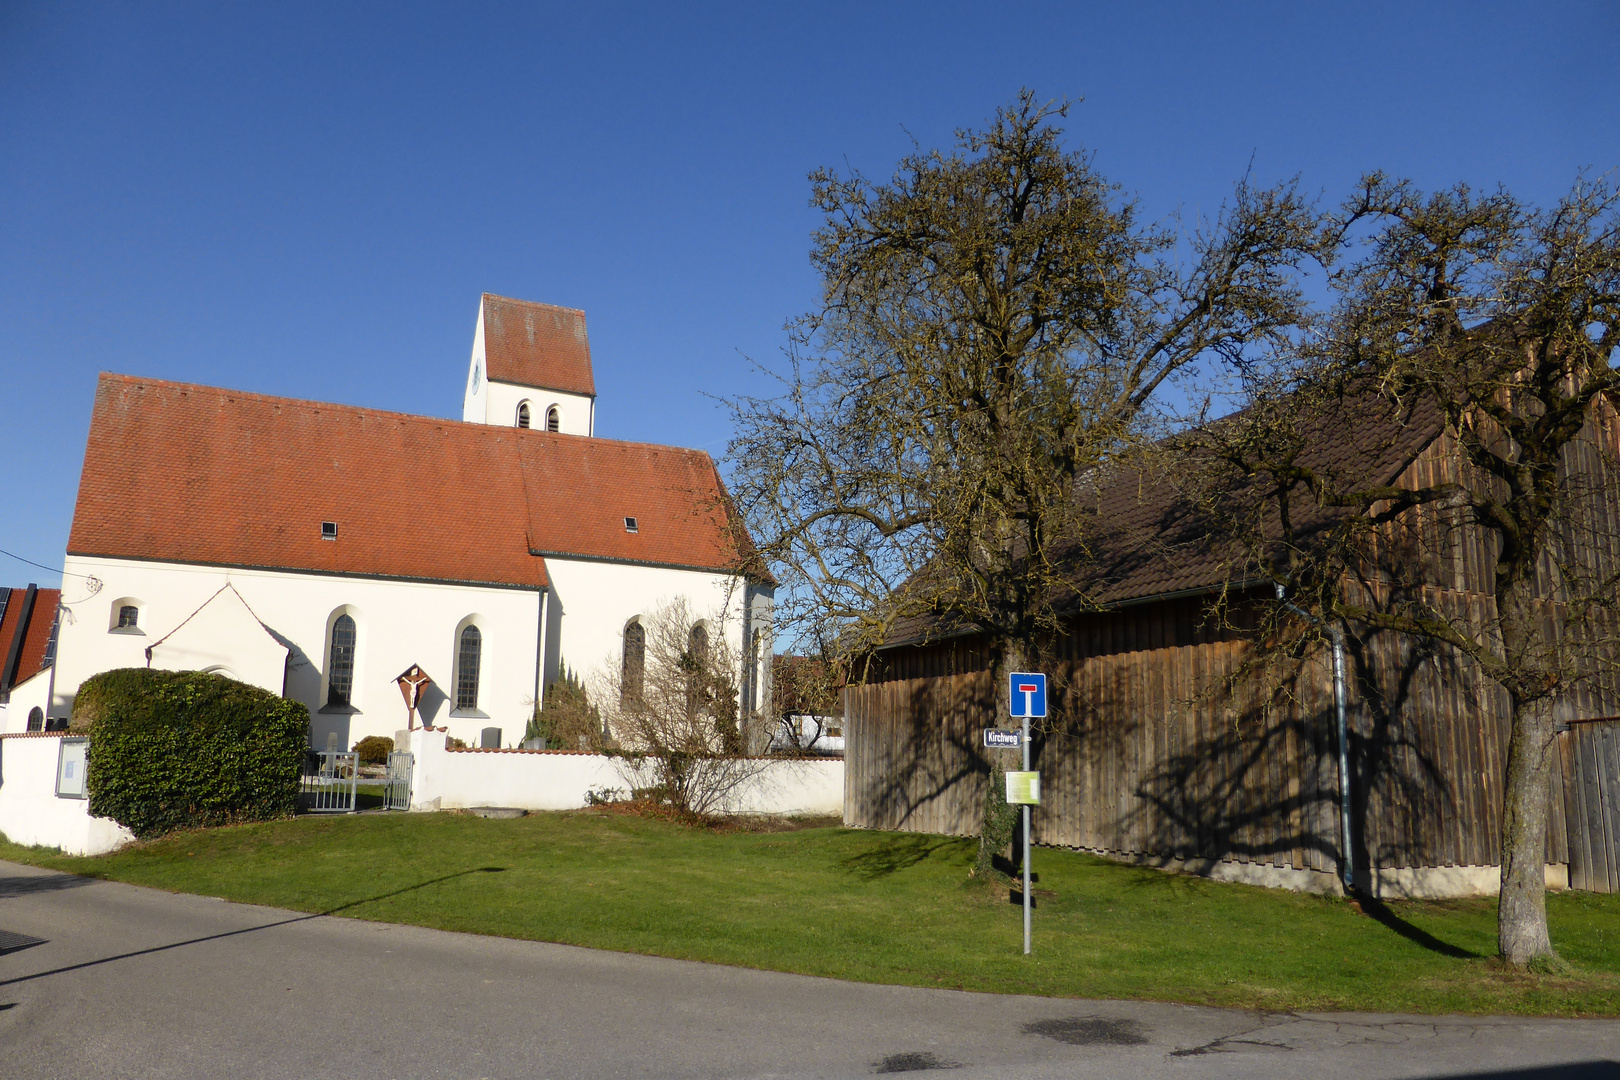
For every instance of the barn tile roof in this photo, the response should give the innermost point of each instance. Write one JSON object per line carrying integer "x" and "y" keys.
{"x": 1147, "y": 534}
{"x": 1151, "y": 536}
{"x": 36, "y": 635}
{"x": 181, "y": 473}
{"x": 537, "y": 345}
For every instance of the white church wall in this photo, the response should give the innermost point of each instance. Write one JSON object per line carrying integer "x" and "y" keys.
{"x": 474, "y": 405}
{"x": 761, "y": 601}
{"x": 32, "y": 693}
{"x": 224, "y": 637}
{"x": 595, "y": 600}
{"x": 575, "y": 412}
{"x": 398, "y": 623}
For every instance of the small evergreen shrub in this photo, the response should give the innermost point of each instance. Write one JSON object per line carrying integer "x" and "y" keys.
{"x": 567, "y": 720}
{"x": 374, "y": 749}
{"x": 183, "y": 749}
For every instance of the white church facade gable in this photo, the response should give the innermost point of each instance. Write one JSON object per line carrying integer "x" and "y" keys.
{"x": 396, "y": 624}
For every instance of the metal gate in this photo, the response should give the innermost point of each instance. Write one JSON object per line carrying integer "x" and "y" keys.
{"x": 397, "y": 792}
{"x": 1592, "y": 805}
{"x": 331, "y": 781}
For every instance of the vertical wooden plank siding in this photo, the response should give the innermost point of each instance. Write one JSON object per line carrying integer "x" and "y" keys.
{"x": 1592, "y": 804}
{"x": 1151, "y": 754}
{"x": 1151, "y": 751}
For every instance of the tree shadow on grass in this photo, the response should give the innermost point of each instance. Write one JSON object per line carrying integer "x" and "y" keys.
{"x": 251, "y": 929}
{"x": 1381, "y": 913}
{"x": 899, "y": 853}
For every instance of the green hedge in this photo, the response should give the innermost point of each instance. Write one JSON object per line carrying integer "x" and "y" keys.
{"x": 183, "y": 749}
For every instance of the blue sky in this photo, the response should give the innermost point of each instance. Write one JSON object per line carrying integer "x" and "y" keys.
{"x": 307, "y": 199}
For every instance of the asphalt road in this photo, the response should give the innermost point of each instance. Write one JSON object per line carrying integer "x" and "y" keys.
{"x": 130, "y": 982}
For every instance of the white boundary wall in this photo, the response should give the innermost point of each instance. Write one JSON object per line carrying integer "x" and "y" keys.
{"x": 31, "y": 812}
{"x": 558, "y": 780}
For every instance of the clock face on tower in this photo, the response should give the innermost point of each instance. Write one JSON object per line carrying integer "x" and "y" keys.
{"x": 475, "y": 378}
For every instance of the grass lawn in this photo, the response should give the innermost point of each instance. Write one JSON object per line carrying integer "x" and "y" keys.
{"x": 880, "y": 907}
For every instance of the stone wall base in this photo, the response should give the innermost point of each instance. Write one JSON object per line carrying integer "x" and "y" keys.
{"x": 1388, "y": 883}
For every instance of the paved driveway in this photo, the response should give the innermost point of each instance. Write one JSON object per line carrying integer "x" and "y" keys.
{"x": 131, "y": 982}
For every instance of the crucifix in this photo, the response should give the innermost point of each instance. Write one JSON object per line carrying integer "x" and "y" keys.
{"x": 412, "y": 681}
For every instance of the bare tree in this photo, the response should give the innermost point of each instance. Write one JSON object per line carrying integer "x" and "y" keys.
{"x": 1496, "y": 324}
{"x": 805, "y": 698}
{"x": 675, "y": 714}
{"x": 996, "y": 323}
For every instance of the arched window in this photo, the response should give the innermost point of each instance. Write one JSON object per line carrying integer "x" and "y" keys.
{"x": 523, "y": 415}
{"x": 467, "y": 659}
{"x": 125, "y": 616}
{"x": 36, "y": 719}
{"x": 696, "y": 662}
{"x": 755, "y": 641}
{"x": 340, "y": 662}
{"x": 553, "y": 419}
{"x": 635, "y": 662}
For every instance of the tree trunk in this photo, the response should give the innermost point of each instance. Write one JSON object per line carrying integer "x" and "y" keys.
{"x": 1521, "y": 905}
{"x": 993, "y": 833}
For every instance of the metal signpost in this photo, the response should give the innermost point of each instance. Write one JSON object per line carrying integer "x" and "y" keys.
{"x": 1026, "y": 697}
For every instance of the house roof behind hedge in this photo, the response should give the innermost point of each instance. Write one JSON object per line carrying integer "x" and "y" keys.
{"x": 36, "y": 635}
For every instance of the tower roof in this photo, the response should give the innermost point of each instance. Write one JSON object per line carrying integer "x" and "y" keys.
{"x": 538, "y": 345}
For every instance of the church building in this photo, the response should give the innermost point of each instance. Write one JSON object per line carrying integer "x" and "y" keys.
{"x": 320, "y": 551}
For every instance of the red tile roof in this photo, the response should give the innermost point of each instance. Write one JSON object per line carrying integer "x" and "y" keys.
{"x": 195, "y": 474}
{"x": 37, "y": 635}
{"x": 537, "y": 345}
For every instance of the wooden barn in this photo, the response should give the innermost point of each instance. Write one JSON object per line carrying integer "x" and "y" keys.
{"x": 1163, "y": 747}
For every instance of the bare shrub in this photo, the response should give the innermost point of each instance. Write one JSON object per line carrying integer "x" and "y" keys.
{"x": 675, "y": 717}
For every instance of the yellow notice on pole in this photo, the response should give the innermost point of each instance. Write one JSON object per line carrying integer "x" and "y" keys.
{"x": 1024, "y": 788}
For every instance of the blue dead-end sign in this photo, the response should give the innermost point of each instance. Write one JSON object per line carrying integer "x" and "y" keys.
{"x": 1027, "y": 693}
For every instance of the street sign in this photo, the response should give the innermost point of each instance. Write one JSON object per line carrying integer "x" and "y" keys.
{"x": 1027, "y": 693}
{"x": 1026, "y": 699}
{"x": 1024, "y": 789}
{"x": 997, "y": 739}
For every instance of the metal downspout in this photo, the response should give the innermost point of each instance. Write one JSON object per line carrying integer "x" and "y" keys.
{"x": 1347, "y": 863}
{"x": 1336, "y": 633}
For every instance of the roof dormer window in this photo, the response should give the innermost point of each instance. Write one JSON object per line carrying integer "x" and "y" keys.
{"x": 630, "y": 525}
{"x": 328, "y": 530}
